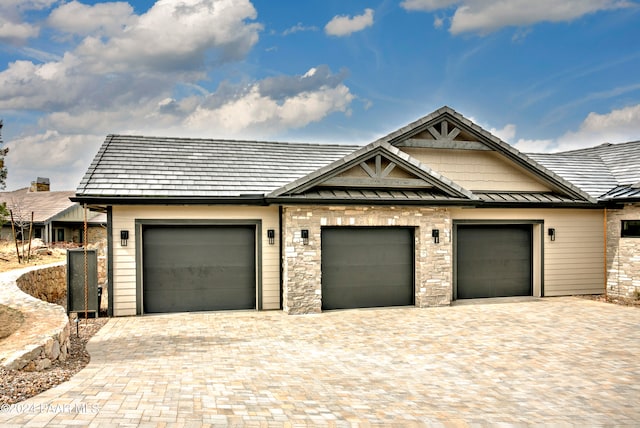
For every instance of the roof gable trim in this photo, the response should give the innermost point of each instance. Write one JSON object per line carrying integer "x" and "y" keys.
{"x": 377, "y": 176}
{"x": 446, "y": 118}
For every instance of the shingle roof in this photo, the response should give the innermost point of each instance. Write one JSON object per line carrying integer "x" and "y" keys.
{"x": 45, "y": 205}
{"x": 136, "y": 166}
{"x": 598, "y": 170}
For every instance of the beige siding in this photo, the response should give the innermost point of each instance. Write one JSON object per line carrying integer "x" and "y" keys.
{"x": 478, "y": 170}
{"x": 574, "y": 262}
{"x": 124, "y": 258}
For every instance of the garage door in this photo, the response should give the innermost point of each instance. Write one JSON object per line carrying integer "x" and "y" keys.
{"x": 198, "y": 268}
{"x": 367, "y": 267}
{"x": 493, "y": 261}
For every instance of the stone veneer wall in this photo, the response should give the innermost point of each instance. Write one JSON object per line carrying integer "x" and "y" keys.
{"x": 623, "y": 254}
{"x": 302, "y": 290}
{"x": 48, "y": 284}
{"x": 44, "y": 336}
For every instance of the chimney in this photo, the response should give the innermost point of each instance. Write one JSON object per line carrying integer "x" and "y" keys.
{"x": 40, "y": 185}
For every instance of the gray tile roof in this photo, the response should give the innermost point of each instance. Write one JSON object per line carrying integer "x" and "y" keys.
{"x": 140, "y": 167}
{"x": 598, "y": 170}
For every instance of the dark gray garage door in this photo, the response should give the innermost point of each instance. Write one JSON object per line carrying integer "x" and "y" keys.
{"x": 198, "y": 268}
{"x": 493, "y": 261}
{"x": 367, "y": 267}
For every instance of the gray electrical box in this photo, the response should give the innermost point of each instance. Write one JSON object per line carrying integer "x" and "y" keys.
{"x": 76, "y": 282}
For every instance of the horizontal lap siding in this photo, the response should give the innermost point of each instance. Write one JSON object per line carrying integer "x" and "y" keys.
{"x": 124, "y": 258}
{"x": 478, "y": 170}
{"x": 574, "y": 262}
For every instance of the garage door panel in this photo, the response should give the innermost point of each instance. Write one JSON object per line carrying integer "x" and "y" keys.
{"x": 367, "y": 267}
{"x": 494, "y": 261}
{"x": 198, "y": 268}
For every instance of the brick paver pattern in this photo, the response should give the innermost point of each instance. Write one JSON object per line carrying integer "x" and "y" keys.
{"x": 566, "y": 361}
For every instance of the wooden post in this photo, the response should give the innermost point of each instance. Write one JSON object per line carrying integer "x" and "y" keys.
{"x": 15, "y": 239}
{"x": 30, "y": 237}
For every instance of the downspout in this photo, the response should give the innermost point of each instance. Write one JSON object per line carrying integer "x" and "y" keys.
{"x": 605, "y": 252}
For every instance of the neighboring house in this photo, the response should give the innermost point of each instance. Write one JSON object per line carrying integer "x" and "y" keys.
{"x": 55, "y": 217}
{"x": 438, "y": 211}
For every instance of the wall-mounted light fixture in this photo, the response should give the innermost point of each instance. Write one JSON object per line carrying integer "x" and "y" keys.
{"x": 552, "y": 233}
{"x": 304, "y": 234}
{"x": 435, "y": 234}
{"x": 271, "y": 236}
{"x": 124, "y": 237}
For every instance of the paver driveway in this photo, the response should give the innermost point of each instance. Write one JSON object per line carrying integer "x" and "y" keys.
{"x": 555, "y": 360}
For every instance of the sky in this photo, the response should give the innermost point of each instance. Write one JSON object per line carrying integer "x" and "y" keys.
{"x": 543, "y": 75}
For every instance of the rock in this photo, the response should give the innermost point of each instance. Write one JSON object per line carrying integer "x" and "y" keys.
{"x": 55, "y": 350}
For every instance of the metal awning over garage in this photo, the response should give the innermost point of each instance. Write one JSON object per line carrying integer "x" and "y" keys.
{"x": 198, "y": 268}
{"x": 367, "y": 267}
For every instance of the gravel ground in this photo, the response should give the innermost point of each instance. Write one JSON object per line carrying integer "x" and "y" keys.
{"x": 18, "y": 385}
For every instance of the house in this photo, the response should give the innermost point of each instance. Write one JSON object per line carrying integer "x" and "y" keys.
{"x": 437, "y": 211}
{"x": 55, "y": 217}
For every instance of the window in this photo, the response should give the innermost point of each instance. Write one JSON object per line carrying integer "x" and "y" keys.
{"x": 60, "y": 235}
{"x": 630, "y": 228}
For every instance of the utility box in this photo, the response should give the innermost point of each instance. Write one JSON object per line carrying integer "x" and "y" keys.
{"x": 76, "y": 282}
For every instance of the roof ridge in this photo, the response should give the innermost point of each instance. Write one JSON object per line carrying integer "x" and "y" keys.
{"x": 227, "y": 140}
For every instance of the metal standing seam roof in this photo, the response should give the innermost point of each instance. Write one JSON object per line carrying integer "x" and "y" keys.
{"x": 136, "y": 166}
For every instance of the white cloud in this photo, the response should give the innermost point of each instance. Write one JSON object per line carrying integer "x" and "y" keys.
{"x": 62, "y": 158}
{"x": 105, "y": 19}
{"x": 345, "y": 25}
{"x": 505, "y": 134}
{"x": 484, "y": 16}
{"x": 266, "y": 107}
{"x": 534, "y": 146}
{"x": 177, "y": 36}
{"x": 614, "y": 127}
{"x": 16, "y": 32}
{"x": 617, "y": 126}
{"x": 147, "y": 78}
{"x": 299, "y": 28}
{"x": 428, "y": 5}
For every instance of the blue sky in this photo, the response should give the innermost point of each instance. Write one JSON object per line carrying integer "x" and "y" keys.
{"x": 542, "y": 75}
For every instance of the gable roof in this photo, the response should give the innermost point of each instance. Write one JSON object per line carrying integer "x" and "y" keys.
{"x": 152, "y": 168}
{"x": 608, "y": 171}
{"x": 440, "y": 188}
{"x": 482, "y": 140}
{"x": 44, "y": 205}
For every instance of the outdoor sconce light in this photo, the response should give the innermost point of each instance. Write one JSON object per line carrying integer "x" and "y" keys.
{"x": 304, "y": 234}
{"x": 552, "y": 233}
{"x": 435, "y": 234}
{"x": 271, "y": 235}
{"x": 124, "y": 237}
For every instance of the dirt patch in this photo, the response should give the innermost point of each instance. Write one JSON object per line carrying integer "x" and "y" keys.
{"x": 10, "y": 320}
{"x": 18, "y": 385}
{"x": 41, "y": 254}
